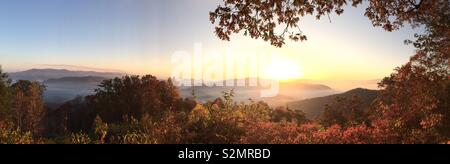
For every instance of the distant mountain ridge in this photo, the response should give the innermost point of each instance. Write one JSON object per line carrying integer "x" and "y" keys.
{"x": 288, "y": 91}
{"x": 303, "y": 85}
{"x": 46, "y": 74}
{"x": 62, "y": 84}
{"x": 86, "y": 79}
{"x": 314, "y": 107}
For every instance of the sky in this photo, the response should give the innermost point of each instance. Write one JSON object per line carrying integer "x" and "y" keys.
{"x": 141, "y": 37}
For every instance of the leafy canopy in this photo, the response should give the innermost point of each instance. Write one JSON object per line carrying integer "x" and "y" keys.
{"x": 261, "y": 18}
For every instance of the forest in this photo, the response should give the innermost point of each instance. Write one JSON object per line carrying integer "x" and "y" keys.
{"x": 411, "y": 108}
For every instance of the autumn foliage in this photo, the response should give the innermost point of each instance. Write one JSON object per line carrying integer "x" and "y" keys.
{"x": 395, "y": 118}
{"x": 413, "y": 106}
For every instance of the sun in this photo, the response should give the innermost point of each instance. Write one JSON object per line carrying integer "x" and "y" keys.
{"x": 283, "y": 70}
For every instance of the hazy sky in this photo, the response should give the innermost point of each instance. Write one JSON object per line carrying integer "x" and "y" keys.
{"x": 139, "y": 37}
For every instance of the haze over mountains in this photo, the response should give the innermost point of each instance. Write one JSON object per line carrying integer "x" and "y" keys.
{"x": 64, "y": 89}
{"x": 64, "y": 85}
{"x": 288, "y": 91}
{"x": 46, "y": 74}
{"x": 76, "y": 80}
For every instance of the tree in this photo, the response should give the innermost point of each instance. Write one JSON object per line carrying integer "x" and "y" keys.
{"x": 282, "y": 114}
{"x": 344, "y": 112}
{"x": 29, "y": 112}
{"x": 261, "y": 18}
{"x": 76, "y": 115}
{"x": 415, "y": 98}
{"x": 5, "y": 97}
{"x": 134, "y": 96}
{"x": 413, "y": 106}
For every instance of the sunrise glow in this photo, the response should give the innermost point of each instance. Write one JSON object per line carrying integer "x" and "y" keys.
{"x": 283, "y": 70}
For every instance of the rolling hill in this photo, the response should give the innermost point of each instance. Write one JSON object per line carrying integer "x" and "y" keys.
{"x": 315, "y": 106}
